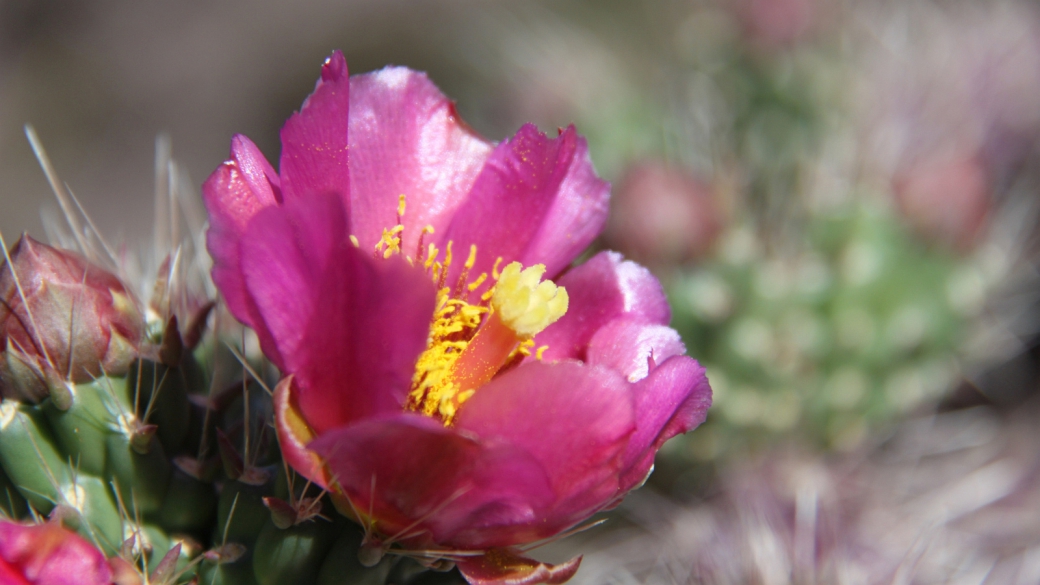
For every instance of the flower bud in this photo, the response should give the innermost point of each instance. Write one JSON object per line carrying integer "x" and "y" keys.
{"x": 62, "y": 320}
{"x": 663, "y": 215}
{"x": 946, "y": 198}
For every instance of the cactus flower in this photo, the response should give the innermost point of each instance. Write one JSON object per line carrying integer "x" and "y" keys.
{"x": 47, "y": 554}
{"x": 62, "y": 319}
{"x": 459, "y": 391}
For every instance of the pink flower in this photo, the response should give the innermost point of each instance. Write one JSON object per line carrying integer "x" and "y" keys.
{"x": 449, "y": 407}
{"x": 48, "y": 554}
{"x": 61, "y": 319}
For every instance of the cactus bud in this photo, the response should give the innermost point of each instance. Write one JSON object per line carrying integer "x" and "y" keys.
{"x": 62, "y": 319}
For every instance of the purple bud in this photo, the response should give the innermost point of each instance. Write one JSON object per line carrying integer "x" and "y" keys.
{"x": 62, "y": 319}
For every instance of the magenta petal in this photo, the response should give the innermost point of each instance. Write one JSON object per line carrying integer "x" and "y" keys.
{"x": 673, "y": 399}
{"x": 406, "y": 139}
{"x": 502, "y": 567}
{"x": 314, "y": 140}
{"x": 258, "y": 174}
{"x": 632, "y": 347}
{"x": 512, "y": 198}
{"x": 601, "y": 290}
{"x": 434, "y": 480}
{"x": 577, "y": 215}
{"x": 348, "y": 326}
{"x": 573, "y": 419}
{"x": 239, "y": 189}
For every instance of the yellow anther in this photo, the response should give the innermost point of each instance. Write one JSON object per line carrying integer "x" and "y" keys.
{"x": 391, "y": 240}
{"x": 354, "y": 240}
{"x": 431, "y": 256}
{"x": 524, "y": 302}
{"x": 447, "y": 256}
{"x": 400, "y": 205}
{"x": 494, "y": 269}
{"x": 472, "y": 259}
{"x": 476, "y": 283}
{"x": 541, "y": 352}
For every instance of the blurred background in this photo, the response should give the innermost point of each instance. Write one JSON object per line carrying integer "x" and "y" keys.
{"x": 840, "y": 197}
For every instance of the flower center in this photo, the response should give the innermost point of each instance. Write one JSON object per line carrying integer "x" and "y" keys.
{"x": 471, "y": 342}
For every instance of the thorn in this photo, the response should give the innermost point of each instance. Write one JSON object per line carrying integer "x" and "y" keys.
{"x": 283, "y": 515}
{"x": 172, "y": 348}
{"x": 442, "y": 565}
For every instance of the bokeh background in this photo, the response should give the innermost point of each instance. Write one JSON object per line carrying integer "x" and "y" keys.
{"x": 840, "y": 197}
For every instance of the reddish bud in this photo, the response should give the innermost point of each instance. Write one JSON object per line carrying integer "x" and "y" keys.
{"x": 945, "y": 198}
{"x": 61, "y": 319}
{"x": 663, "y": 215}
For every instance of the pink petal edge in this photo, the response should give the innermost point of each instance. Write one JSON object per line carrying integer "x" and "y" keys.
{"x": 315, "y": 151}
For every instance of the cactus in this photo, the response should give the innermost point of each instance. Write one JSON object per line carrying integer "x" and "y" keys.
{"x": 148, "y": 430}
{"x": 859, "y": 325}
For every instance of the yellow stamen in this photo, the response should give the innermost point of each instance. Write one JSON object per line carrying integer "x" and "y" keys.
{"x": 354, "y": 240}
{"x": 469, "y": 344}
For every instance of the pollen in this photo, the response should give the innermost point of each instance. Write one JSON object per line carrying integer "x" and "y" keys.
{"x": 472, "y": 339}
{"x": 470, "y": 343}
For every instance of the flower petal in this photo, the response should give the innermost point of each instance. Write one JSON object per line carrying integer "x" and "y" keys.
{"x": 577, "y": 215}
{"x": 235, "y": 192}
{"x": 348, "y": 326}
{"x": 294, "y": 433}
{"x": 600, "y": 290}
{"x": 673, "y": 399}
{"x": 314, "y": 140}
{"x": 632, "y": 347}
{"x": 430, "y": 481}
{"x": 406, "y": 139}
{"x": 503, "y": 567}
{"x": 573, "y": 419}
{"x": 509, "y": 211}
